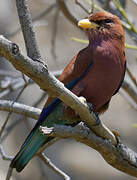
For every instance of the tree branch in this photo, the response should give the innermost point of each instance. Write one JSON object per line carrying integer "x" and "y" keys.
{"x": 128, "y": 89}
{"x": 19, "y": 108}
{"x": 120, "y": 156}
{"x": 36, "y": 18}
{"x": 9, "y": 114}
{"x": 53, "y": 167}
{"x": 27, "y": 29}
{"x": 66, "y": 12}
{"x": 3, "y": 155}
{"x": 132, "y": 77}
{"x": 10, "y": 84}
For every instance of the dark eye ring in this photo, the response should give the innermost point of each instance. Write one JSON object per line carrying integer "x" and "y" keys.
{"x": 108, "y": 21}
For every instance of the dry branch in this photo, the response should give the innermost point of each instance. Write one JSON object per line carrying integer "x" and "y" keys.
{"x": 130, "y": 90}
{"x": 19, "y": 108}
{"x": 120, "y": 156}
{"x": 52, "y": 166}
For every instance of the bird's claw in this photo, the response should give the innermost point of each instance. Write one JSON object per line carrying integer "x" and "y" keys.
{"x": 45, "y": 130}
{"x": 117, "y": 136}
{"x": 90, "y": 106}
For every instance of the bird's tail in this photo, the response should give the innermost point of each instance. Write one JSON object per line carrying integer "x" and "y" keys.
{"x": 34, "y": 140}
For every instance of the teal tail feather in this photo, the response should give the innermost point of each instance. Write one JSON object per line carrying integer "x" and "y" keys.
{"x": 49, "y": 116}
{"x": 34, "y": 140}
{"x": 25, "y": 154}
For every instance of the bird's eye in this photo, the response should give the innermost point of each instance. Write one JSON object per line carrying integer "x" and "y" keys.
{"x": 107, "y": 21}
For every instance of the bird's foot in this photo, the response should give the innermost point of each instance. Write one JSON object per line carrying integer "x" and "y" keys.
{"x": 45, "y": 130}
{"x": 90, "y": 106}
{"x": 97, "y": 119}
{"x": 117, "y": 136}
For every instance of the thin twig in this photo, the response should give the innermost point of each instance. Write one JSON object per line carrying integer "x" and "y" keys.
{"x": 4, "y": 93}
{"x": 129, "y": 100}
{"x": 132, "y": 76}
{"x": 106, "y": 5}
{"x": 3, "y": 155}
{"x": 82, "y": 7}
{"x": 92, "y": 6}
{"x": 53, "y": 167}
{"x": 95, "y": 5}
{"x": 10, "y": 127}
{"x": 44, "y": 13}
{"x": 9, "y": 114}
{"x": 129, "y": 46}
{"x": 129, "y": 89}
{"x": 54, "y": 33}
{"x": 123, "y": 13}
{"x": 83, "y": 41}
{"x": 9, "y": 174}
{"x": 23, "y": 77}
{"x": 63, "y": 7}
{"x": 47, "y": 145}
{"x": 5, "y": 123}
{"x": 14, "y": 85}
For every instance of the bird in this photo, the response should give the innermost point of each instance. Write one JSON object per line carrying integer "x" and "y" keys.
{"x": 95, "y": 73}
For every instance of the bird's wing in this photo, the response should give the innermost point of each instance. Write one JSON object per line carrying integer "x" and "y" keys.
{"x": 120, "y": 84}
{"x": 74, "y": 71}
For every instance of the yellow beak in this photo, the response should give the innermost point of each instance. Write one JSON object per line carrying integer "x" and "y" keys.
{"x": 86, "y": 24}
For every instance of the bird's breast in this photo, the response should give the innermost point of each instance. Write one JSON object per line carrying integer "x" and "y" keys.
{"x": 103, "y": 78}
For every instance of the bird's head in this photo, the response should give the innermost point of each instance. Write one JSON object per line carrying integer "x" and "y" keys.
{"x": 101, "y": 26}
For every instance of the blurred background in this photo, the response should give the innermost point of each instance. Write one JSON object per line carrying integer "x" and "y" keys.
{"x": 54, "y": 34}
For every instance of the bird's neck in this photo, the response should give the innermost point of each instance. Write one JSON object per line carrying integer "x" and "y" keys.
{"x": 105, "y": 43}
{"x": 107, "y": 48}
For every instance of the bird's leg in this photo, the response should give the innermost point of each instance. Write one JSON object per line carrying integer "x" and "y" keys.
{"x": 117, "y": 136}
{"x": 90, "y": 106}
{"x": 96, "y": 114}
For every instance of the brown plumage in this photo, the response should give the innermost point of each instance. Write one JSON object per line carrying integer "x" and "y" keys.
{"x": 106, "y": 50}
